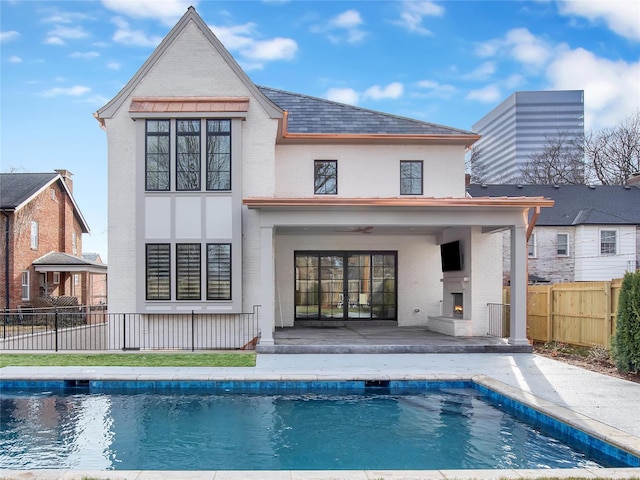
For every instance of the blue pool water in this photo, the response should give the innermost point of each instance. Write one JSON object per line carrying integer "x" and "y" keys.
{"x": 447, "y": 426}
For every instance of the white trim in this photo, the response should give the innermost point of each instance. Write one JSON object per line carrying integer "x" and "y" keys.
{"x": 615, "y": 245}
{"x": 25, "y": 284}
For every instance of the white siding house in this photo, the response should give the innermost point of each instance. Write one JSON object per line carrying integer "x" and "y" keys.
{"x": 590, "y": 234}
{"x": 224, "y": 195}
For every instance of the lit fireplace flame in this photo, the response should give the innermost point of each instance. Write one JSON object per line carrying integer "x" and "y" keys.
{"x": 457, "y": 309}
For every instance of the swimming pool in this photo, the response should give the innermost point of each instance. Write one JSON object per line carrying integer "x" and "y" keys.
{"x": 234, "y": 425}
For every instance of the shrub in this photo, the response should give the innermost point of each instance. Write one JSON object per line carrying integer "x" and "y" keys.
{"x": 626, "y": 341}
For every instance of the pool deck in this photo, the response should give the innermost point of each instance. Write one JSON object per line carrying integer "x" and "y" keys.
{"x": 596, "y": 403}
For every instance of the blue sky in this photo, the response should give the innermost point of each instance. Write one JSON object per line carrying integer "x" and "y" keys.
{"x": 446, "y": 62}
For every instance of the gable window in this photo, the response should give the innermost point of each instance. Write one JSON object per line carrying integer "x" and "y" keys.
{"x": 608, "y": 242}
{"x": 188, "y": 271}
{"x": 25, "y": 285}
{"x": 531, "y": 246}
{"x": 325, "y": 177}
{"x": 218, "y": 271}
{"x": 562, "y": 244}
{"x": 157, "y": 156}
{"x": 410, "y": 177}
{"x": 158, "y": 274}
{"x": 188, "y": 155}
{"x": 218, "y": 154}
{"x": 34, "y": 235}
{"x": 74, "y": 242}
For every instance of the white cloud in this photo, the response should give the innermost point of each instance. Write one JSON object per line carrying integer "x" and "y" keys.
{"x": 15, "y": 59}
{"x": 71, "y": 33}
{"x": 347, "y": 22}
{"x": 53, "y": 41}
{"x": 623, "y": 17}
{"x": 611, "y": 87}
{"x": 114, "y": 66}
{"x": 435, "y": 89}
{"x": 482, "y": 72}
{"x": 343, "y": 95}
{"x": 126, "y": 36}
{"x": 75, "y": 91}
{"x": 489, "y": 94}
{"x": 57, "y": 16}
{"x": 394, "y": 91}
{"x": 252, "y": 53}
{"x": 85, "y": 55}
{"x": 8, "y": 36}
{"x": 413, "y": 12}
{"x": 520, "y": 45}
{"x": 166, "y": 11}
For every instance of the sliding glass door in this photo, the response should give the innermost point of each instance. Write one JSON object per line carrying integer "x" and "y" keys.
{"x": 345, "y": 285}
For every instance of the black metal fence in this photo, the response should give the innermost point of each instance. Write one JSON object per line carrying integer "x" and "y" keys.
{"x": 499, "y": 320}
{"x": 91, "y": 328}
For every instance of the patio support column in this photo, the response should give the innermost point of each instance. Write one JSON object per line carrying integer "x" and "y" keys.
{"x": 267, "y": 282}
{"x": 518, "y": 320}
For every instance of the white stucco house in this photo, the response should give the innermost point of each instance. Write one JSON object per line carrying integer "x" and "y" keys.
{"x": 592, "y": 233}
{"x": 224, "y": 195}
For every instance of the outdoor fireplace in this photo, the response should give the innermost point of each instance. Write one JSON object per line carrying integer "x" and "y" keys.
{"x": 458, "y": 305}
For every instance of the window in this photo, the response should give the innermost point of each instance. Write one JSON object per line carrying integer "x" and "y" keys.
{"x": 188, "y": 271}
{"x": 157, "y": 159}
{"x": 218, "y": 271}
{"x": 188, "y": 155}
{"x": 562, "y": 244}
{"x": 608, "y": 242}
{"x": 56, "y": 278}
{"x": 34, "y": 235}
{"x": 218, "y": 154}
{"x": 410, "y": 177}
{"x": 158, "y": 271}
{"x": 531, "y": 246}
{"x": 74, "y": 242}
{"x": 325, "y": 177}
{"x": 25, "y": 285}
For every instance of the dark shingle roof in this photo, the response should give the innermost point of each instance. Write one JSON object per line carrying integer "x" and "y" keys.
{"x": 61, "y": 258}
{"x": 575, "y": 204}
{"x": 15, "y": 188}
{"x": 315, "y": 115}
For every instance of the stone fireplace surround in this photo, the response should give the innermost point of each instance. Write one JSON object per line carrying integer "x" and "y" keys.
{"x": 447, "y": 322}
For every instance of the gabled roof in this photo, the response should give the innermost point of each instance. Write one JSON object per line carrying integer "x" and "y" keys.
{"x": 18, "y": 189}
{"x": 575, "y": 204}
{"x": 110, "y": 109}
{"x": 66, "y": 262}
{"x": 307, "y": 114}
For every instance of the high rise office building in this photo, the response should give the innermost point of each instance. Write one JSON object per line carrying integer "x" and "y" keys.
{"x": 521, "y": 126}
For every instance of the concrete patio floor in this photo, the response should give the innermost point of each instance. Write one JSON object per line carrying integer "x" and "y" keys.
{"x": 361, "y": 338}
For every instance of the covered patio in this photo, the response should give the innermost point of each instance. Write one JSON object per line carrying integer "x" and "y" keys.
{"x": 361, "y": 337}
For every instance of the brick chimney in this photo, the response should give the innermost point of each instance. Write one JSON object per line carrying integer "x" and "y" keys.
{"x": 66, "y": 176}
{"x": 634, "y": 179}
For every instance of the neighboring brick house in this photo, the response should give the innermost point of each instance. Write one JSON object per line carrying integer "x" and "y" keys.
{"x": 224, "y": 195}
{"x": 41, "y": 239}
{"x": 591, "y": 234}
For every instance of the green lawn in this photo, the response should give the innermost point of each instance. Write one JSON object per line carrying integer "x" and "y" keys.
{"x": 130, "y": 359}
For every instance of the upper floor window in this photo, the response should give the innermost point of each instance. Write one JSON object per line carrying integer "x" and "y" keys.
{"x": 608, "y": 242}
{"x": 158, "y": 158}
{"x": 562, "y": 244}
{"x": 531, "y": 246}
{"x": 218, "y": 154}
{"x": 34, "y": 235}
{"x": 325, "y": 177}
{"x": 74, "y": 242}
{"x": 410, "y": 177}
{"x": 188, "y": 155}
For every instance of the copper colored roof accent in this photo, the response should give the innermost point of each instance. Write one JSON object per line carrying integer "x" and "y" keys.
{"x": 463, "y": 202}
{"x": 188, "y": 104}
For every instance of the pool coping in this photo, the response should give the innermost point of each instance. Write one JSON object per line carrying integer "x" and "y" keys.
{"x": 616, "y": 437}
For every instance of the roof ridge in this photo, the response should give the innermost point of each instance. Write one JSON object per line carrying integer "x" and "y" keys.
{"x": 369, "y": 110}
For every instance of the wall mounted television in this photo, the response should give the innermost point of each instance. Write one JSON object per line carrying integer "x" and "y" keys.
{"x": 451, "y": 254}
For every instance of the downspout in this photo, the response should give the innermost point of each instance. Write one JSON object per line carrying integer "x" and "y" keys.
{"x": 6, "y": 259}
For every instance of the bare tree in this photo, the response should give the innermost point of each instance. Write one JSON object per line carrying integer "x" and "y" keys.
{"x": 475, "y": 166}
{"x": 613, "y": 154}
{"x": 560, "y": 162}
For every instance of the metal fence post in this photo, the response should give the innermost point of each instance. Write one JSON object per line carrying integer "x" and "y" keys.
{"x": 55, "y": 327}
{"x": 193, "y": 333}
{"x": 124, "y": 331}
{"x": 4, "y": 324}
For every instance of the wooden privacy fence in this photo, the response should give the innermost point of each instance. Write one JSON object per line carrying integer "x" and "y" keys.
{"x": 581, "y": 313}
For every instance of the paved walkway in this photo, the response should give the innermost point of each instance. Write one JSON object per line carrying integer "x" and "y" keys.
{"x": 597, "y": 403}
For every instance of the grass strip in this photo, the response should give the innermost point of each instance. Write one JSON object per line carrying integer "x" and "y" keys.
{"x": 128, "y": 359}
